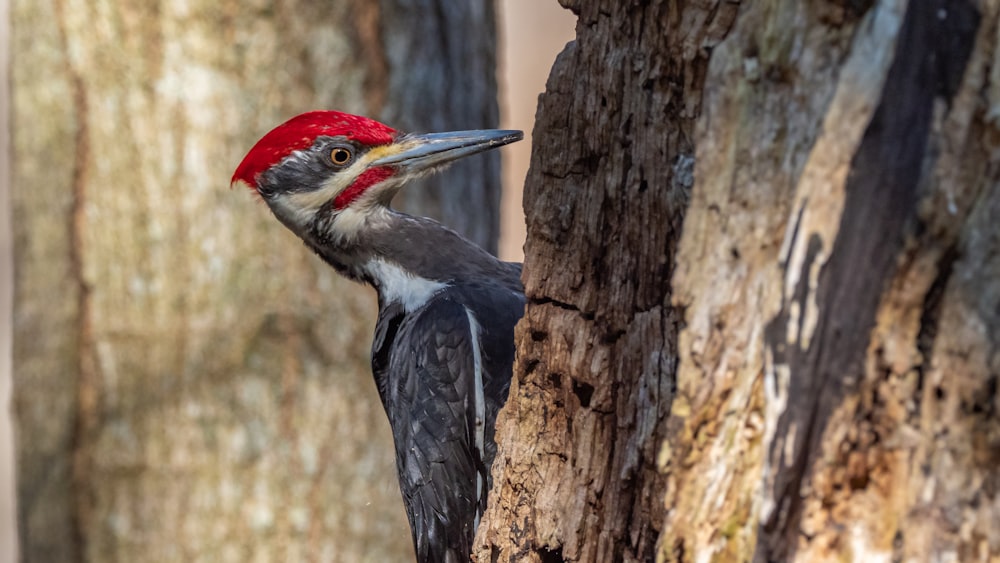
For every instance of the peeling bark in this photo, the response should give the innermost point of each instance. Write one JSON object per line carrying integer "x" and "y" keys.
{"x": 833, "y": 309}
{"x": 575, "y": 478}
{"x": 805, "y": 427}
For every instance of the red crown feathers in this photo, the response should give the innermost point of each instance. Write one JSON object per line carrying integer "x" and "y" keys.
{"x": 300, "y": 132}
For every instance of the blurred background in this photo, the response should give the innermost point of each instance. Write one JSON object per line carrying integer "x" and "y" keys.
{"x": 192, "y": 384}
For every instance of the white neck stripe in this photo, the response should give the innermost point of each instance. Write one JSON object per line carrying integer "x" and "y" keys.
{"x": 396, "y": 285}
{"x": 480, "y": 405}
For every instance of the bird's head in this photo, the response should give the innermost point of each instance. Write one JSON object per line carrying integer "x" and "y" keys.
{"x": 337, "y": 169}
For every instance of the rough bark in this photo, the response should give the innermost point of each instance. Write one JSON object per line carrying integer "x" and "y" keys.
{"x": 192, "y": 384}
{"x": 575, "y": 477}
{"x": 837, "y": 386}
{"x": 834, "y": 307}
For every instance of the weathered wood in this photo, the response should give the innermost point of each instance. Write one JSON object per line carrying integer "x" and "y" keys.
{"x": 575, "y": 477}
{"x": 835, "y": 304}
{"x": 192, "y": 384}
{"x": 836, "y": 264}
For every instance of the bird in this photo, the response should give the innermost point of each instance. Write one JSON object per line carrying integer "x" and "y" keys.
{"x": 443, "y": 349}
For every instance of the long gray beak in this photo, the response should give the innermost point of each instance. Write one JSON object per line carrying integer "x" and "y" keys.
{"x": 421, "y": 152}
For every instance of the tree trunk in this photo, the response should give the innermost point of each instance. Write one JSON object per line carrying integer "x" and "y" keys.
{"x": 8, "y": 526}
{"x": 575, "y": 477}
{"x": 833, "y": 310}
{"x": 837, "y": 391}
{"x": 441, "y": 59}
{"x": 191, "y": 383}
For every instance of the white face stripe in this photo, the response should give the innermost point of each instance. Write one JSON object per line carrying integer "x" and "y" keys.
{"x": 299, "y": 208}
{"x": 480, "y": 403}
{"x": 395, "y": 285}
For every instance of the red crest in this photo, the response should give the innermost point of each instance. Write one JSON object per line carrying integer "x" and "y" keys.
{"x": 300, "y": 132}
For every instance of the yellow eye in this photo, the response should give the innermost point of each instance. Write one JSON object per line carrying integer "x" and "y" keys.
{"x": 340, "y": 156}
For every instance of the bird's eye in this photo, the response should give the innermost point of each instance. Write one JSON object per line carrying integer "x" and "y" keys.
{"x": 340, "y": 156}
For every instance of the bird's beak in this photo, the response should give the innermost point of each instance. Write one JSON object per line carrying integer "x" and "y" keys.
{"x": 415, "y": 153}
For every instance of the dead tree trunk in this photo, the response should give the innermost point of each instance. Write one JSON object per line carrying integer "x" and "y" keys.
{"x": 837, "y": 392}
{"x": 191, "y": 383}
{"x": 576, "y": 477}
{"x": 833, "y": 308}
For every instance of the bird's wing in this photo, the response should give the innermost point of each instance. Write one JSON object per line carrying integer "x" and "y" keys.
{"x": 431, "y": 399}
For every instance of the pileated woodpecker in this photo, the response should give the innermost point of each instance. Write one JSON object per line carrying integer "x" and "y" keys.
{"x": 444, "y": 342}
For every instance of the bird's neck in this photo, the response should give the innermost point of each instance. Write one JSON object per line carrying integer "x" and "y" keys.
{"x": 406, "y": 259}
{"x": 395, "y": 284}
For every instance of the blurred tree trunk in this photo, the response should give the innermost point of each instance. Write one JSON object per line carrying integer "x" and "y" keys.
{"x": 191, "y": 383}
{"x": 832, "y": 314}
{"x": 8, "y": 519}
{"x": 442, "y": 76}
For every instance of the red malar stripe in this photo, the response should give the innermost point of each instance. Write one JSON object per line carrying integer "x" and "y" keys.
{"x": 366, "y": 180}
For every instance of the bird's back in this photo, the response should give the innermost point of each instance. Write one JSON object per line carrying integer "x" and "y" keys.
{"x": 443, "y": 372}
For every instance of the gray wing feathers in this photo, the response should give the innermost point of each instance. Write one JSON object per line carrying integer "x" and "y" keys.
{"x": 425, "y": 366}
{"x": 430, "y": 383}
